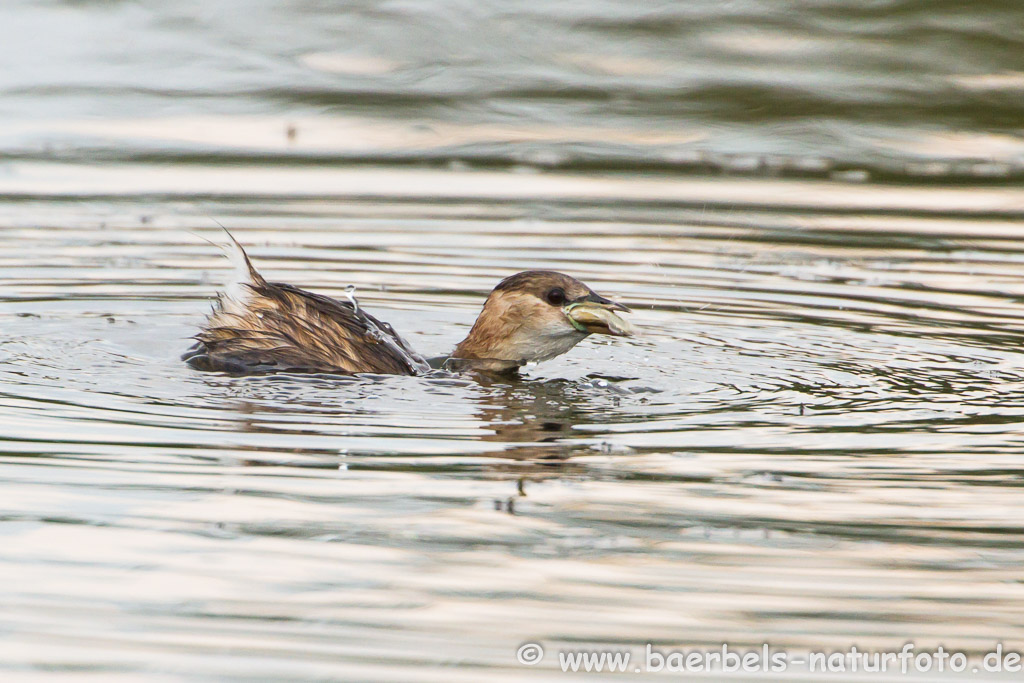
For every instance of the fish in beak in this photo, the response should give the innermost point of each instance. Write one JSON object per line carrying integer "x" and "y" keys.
{"x": 594, "y": 314}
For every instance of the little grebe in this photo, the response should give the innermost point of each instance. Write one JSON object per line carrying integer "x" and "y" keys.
{"x": 260, "y": 326}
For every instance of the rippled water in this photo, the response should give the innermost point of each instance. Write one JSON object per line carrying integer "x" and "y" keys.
{"x": 815, "y": 442}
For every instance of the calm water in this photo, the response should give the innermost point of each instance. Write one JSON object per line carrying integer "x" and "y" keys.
{"x": 816, "y": 441}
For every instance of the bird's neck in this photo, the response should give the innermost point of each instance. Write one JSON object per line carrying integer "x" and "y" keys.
{"x": 489, "y": 366}
{"x": 485, "y": 349}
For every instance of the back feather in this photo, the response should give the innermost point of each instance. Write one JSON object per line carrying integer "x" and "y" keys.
{"x": 264, "y": 326}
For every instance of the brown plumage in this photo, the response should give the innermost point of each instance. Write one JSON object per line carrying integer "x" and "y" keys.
{"x": 260, "y": 326}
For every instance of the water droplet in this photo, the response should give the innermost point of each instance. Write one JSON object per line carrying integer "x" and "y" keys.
{"x": 350, "y": 294}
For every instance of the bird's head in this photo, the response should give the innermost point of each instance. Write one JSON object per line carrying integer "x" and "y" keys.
{"x": 536, "y": 315}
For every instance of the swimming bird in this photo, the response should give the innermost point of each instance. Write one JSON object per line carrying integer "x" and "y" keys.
{"x": 260, "y": 326}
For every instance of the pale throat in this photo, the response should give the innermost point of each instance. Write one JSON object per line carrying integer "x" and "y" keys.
{"x": 521, "y": 346}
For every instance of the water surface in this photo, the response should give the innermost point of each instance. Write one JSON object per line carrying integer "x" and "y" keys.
{"x": 815, "y": 442}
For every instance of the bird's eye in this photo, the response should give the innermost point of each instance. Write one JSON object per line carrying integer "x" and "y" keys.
{"x": 556, "y": 297}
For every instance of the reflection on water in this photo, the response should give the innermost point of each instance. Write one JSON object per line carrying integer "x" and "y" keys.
{"x": 815, "y": 442}
{"x": 918, "y": 90}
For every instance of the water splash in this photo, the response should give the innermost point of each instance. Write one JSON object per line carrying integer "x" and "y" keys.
{"x": 350, "y": 294}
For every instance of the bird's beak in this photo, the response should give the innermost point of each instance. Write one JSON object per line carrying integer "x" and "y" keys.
{"x": 594, "y": 315}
